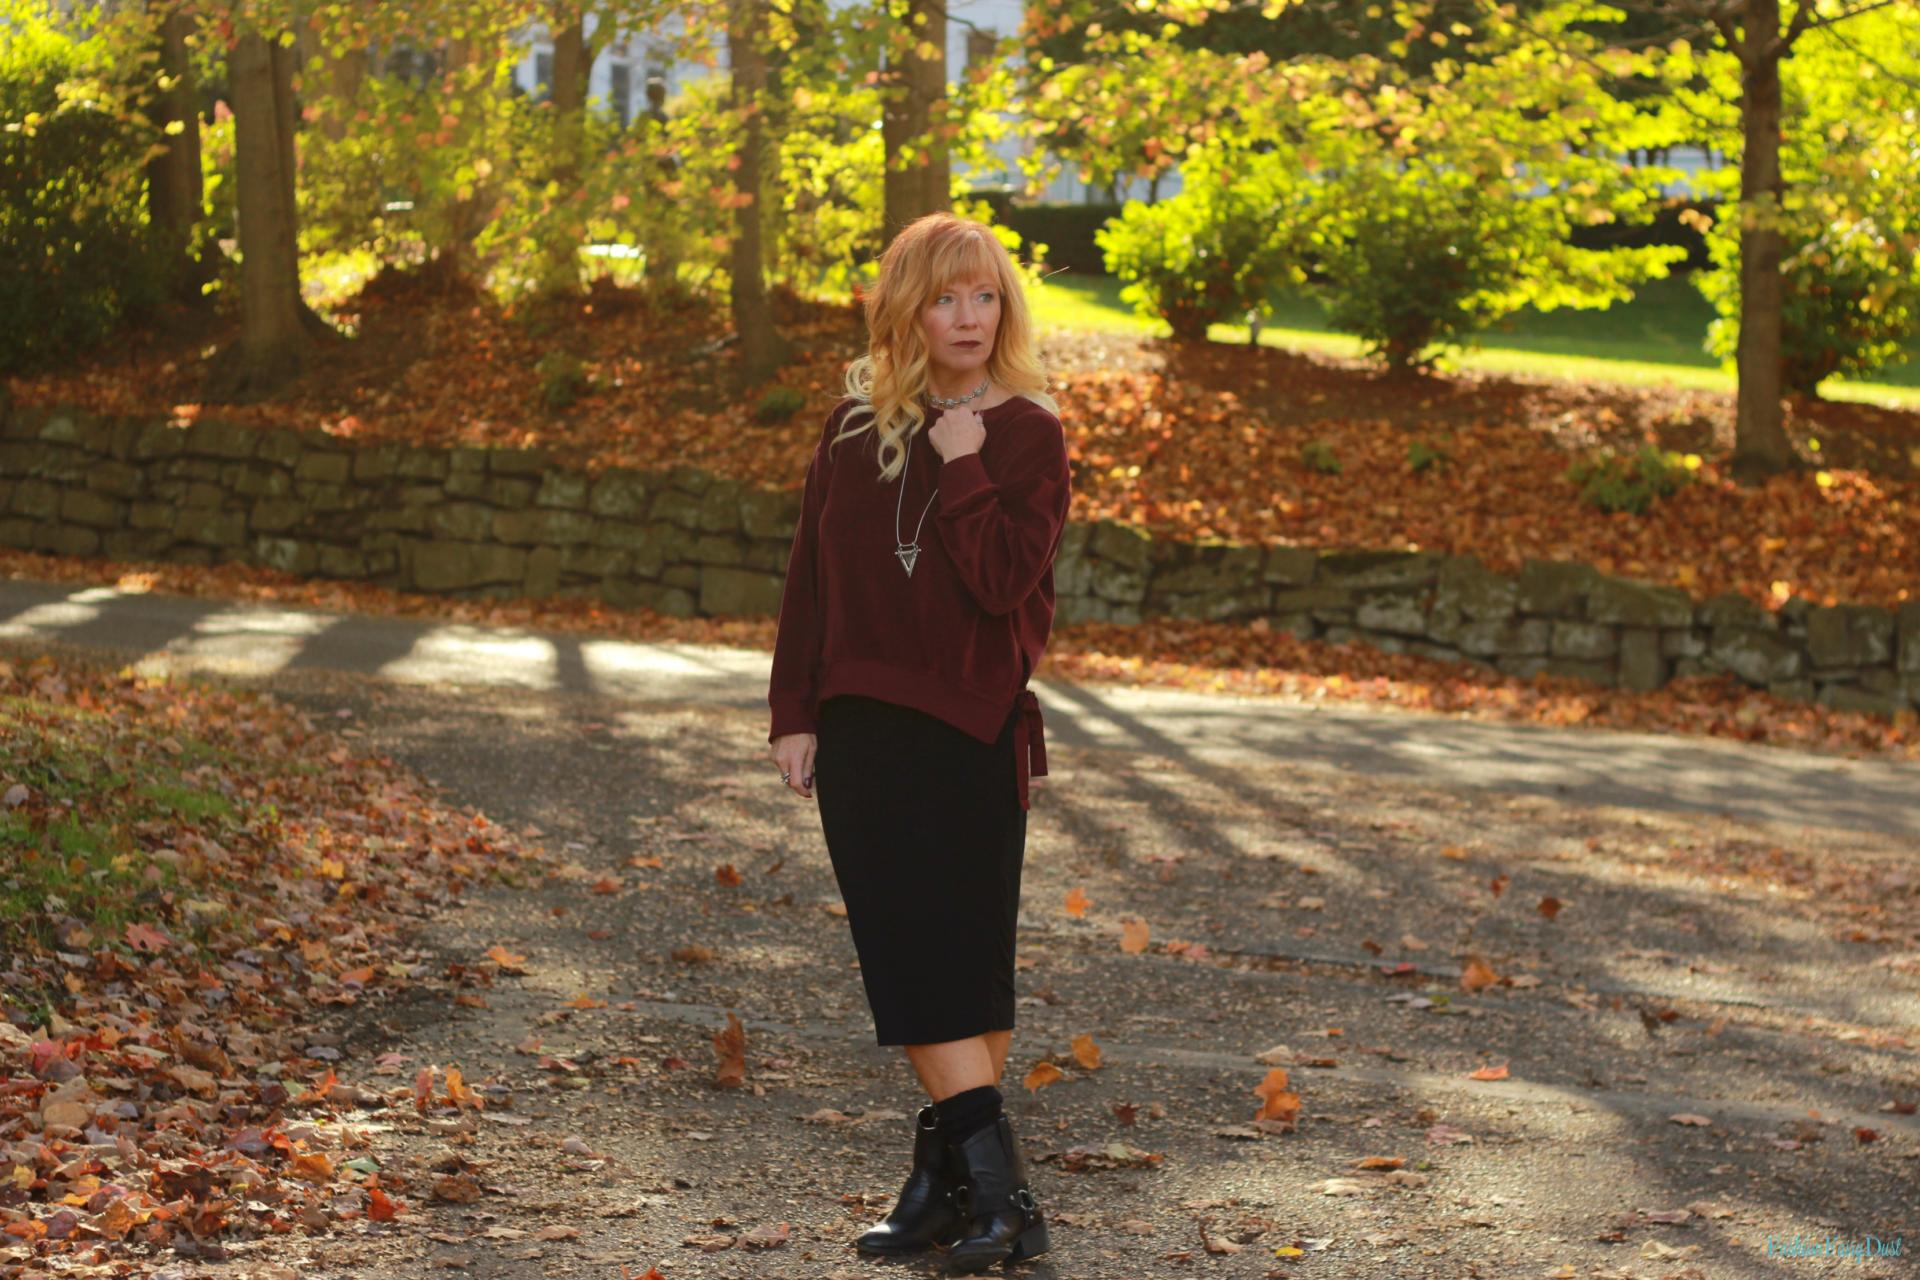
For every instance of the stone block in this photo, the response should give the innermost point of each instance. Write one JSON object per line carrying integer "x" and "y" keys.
{"x": 542, "y": 525}
{"x": 1682, "y": 643}
{"x": 36, "y": 498}
{"x": 508, "y": 491}
{"x": 691, "y": 479}
{"x": 1216, "y": 606}
{"x": 1850, "y": 635}
{"x": 1523, "y": 665}
{"x": 116, "y": 478}
{"x": 467, "y": 520}
{"x": 422, "y": 464}
{"x": 1512, "y": 636}
{"x": 1755, "y": 656}
{"x": 1556, "y": 588}
{"x": 455, "y": 566}
{"x": 1909, "y": 658}
{"x": 625, "y": 495}
{"x": 594, "y": 561}
{"x": 1800, "y": 690}
{"x": 1326, "y": 604}
{"x": 1628, "y": 602}
{"x": 1397, "y": 613}
{"x": 83, "y": 506}
{"x": 1211, "y": 566}
{"x": 290, "y": 555}
{"x": 775, "y": 514}
{"x": 69, "y": 540}
{"x": 1378, "y": 568}
{"x": 1110, "y": 580}
{"x": 212, "y": 438}
{"x": 519, "y": 462}
{"x": 286, "y": 448}
{"x": 543, "y": 572}
{"x": 1121, "y": 544}
{"x": 159, "y": 440}
{"x": 1290, "y": 566}
{"x": 726, "y": 591}
{"x": 323, "y": 468}
{"x": 564, "y": 489}
{"x": 1583, "y": 640}
{"x": 342, "y": 562}
{"x": 720, "y": 508}
{"x": 375, "y": 462}
{"x": 1471, "y": 590}
{"x": 210, "y": 527}
{"x": 1301, "y": 626}
{"x": 1846, "y": 697}
{"x": 673, "y": 506}
{"x": 1641, "y": 666}
{"x": 1732, "y": 609}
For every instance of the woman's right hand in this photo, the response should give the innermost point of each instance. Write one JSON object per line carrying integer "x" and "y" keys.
{"x": 793, "y": 752}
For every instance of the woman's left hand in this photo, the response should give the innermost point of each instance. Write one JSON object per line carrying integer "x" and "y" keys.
{"x": 957, "y": 433}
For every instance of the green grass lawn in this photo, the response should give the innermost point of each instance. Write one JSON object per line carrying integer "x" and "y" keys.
{"x": 1656, "y": 337}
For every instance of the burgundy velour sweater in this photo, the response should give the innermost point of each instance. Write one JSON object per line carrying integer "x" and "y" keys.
{"x": 958, "y": 637}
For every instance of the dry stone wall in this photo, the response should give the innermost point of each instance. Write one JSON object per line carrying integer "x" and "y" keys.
{"x": 512, "y": 522}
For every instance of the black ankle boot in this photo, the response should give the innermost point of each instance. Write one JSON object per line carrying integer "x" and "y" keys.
{"x": 1002, "y": 1220}
{"x": 926, "y": 1214}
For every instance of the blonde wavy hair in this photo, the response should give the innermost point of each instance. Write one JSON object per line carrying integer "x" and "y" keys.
{"x": 929, "y": 255}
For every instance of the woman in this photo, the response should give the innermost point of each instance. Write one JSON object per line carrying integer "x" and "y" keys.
{"x": 918, "y": 598}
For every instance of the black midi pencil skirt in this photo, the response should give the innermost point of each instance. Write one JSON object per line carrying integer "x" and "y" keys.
{"x": 924, "y": 827}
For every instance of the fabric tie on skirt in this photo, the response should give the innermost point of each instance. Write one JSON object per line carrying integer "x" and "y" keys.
{"x": 1029, "y": 739}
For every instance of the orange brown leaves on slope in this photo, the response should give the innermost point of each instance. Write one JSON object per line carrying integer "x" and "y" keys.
{"x": 156, "y": 1093}
{"x": 1239, "y": 658}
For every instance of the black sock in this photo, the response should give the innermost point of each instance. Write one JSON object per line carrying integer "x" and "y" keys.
{"x": 968, "y": 1111}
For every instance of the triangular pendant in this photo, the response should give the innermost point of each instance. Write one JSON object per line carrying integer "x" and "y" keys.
{"x": 907, "y": 556}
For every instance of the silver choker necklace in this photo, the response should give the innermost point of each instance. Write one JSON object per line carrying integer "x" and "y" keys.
{"x": 941, "y": 402}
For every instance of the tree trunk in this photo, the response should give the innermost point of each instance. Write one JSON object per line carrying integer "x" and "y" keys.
{"x": 1760, "y": 439}
{"x": 345, "y": 74}
{"x": 174, "y": 188}
{"x": 273, "y": 344}
{"x": 919, "y": 187}
{"x": 762, "y": 349}
{"x": 559, "y": 266}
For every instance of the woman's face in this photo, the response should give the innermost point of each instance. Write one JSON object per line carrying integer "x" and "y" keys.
{"x": 960, "y": 324}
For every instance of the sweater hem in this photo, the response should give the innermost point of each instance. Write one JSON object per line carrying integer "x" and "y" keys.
{"x": 976, "y": 714}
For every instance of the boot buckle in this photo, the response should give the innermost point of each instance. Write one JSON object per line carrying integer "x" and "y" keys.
{"x": 1024, "y": 1198}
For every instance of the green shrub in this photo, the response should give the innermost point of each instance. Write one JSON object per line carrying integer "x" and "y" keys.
{"x": 1422, "y": 456}
{"x": 77, "y": 257}
{"x": 563, "y": 379}
{"x": 1216, "y": 252}
{"x": 1850, "y": 296}
{"x": 1615, "y": 482}
{"x": 1318, "y": 455}
{"x": 779, "y": 404}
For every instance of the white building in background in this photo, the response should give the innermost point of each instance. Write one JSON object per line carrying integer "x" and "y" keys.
{"x": 619, "y": 78}
{"x": 620, "y": 74}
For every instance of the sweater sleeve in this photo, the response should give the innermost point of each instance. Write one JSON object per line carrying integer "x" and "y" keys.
{"x": 797, "y": 639}
{"x": 1003, "y": 527}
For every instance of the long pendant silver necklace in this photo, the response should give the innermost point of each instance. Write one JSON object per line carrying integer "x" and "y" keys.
{"x": 910, "y": 551}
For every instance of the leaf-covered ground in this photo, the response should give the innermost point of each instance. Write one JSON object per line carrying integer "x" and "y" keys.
{"x": 1183, "y": 440}
{"x": 190, "y": 877}
{"x": 1246, "y": 659}
{"x": 1523, "y": 1035}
